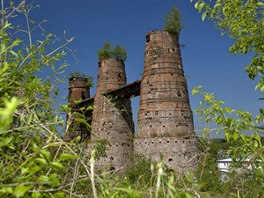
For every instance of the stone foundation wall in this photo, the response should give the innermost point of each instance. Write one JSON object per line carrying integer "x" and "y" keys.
{"x": 177, "y": 152}
{"x": 117, "y": 156}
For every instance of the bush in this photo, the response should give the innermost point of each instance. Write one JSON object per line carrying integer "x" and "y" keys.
{"x": 33, "y": 158}
{"x": 139, "y": 170}
{"x": 173, "y": 21}
{"x": 89, "y": 79}
{"x": 107, "y": 52}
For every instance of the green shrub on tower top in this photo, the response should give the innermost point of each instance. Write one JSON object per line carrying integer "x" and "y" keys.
{"x": 89, "y": 79}
{"x": 107, "y": 52}
{"x": 173, "y": 21}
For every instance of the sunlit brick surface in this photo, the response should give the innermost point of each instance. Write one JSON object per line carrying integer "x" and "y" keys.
{"x": 164, "y": 101}
{"x": 112, "y": 118}
{"x": 165, "y": 120}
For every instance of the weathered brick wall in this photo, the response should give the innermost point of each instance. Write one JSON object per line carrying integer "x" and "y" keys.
{"x": 177, "y": 152}
{"x": 78, "y": 91}
{"x": 117, "y": 155}
{"x": 112, "y": 118}
{"x": 165, "y": 120}
{"x": 164, "y": 101}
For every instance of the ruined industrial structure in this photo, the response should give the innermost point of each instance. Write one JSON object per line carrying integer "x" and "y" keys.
{"x": 165, "y": 121}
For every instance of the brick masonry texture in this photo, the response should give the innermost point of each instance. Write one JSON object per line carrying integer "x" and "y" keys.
{"x": 165, "y": 120}
{"x": 78, "y": 91}
{"x": 164, "y": 101}
{"x": 112, "y": 118}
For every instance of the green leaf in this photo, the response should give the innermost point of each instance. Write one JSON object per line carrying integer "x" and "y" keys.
{"x": 46, "y": 154}
{"x": 31, "y": 21}
{"x": 24, "y": 170}
{"x": 34, "y": 146}
{"x": 199, "y": 6}
{"x": 57, "y": 165}
{"x": 43, "y": 179}
{"x": 54, "y": 180}
{"x": 228, "y": 110}
{"x": 20, "y": 190}
{"x": 66, "y": 156}
{"x": 14, "y": 53}
{"x": 36, "y": 195}
{"x": 256, "y": 144}
{"x": 257, "y": 137}
{"x": 260, "y": 4}
{"x": 41, "y": 161}
{"x": 262, "y": 89}
{"x": 196, "y": 5}
{"x": 59, "y": 195}
{"x": 196, "y": 90}
{"x": 6, "y": 190}
{"x": 235, "y": 136}
{"x": 5, "y": 141}
{"x": 204, "y": 15}
{"x": 34, "y": 169}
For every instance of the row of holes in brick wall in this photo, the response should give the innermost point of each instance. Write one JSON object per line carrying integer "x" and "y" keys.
{"x": 152, "y": 142}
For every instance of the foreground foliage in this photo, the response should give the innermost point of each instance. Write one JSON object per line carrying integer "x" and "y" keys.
{"x": 33, "y": 158}
{"x": 36, "y": 162}
{"x": 242, "y": 21}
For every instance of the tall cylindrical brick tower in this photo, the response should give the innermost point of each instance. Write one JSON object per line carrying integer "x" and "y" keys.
{"x": 112, "y": 117}
{"x": 78, "y": 91}
{"x": 165, "y": 121}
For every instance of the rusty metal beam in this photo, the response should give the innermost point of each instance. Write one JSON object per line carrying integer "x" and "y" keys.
{"x": 128, "y": 91}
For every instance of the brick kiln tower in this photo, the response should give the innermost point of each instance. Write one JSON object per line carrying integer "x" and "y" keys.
{"x": 112, "y": 117}
{"x": 165, "y": 121}
{"x": 78, "y": 91}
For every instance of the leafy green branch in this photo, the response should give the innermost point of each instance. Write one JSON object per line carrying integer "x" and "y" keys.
{"x": 242, "y": 21}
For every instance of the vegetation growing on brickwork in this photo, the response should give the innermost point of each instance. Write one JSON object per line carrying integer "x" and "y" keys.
{"x": 173, "y": 21}
{"x": 36, "y": 162}
{"x": 107, "y": 52}
{"x": 89, "y": 79}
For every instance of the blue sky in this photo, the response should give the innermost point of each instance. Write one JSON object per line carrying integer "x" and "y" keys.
{"x": 206, "y": 59}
